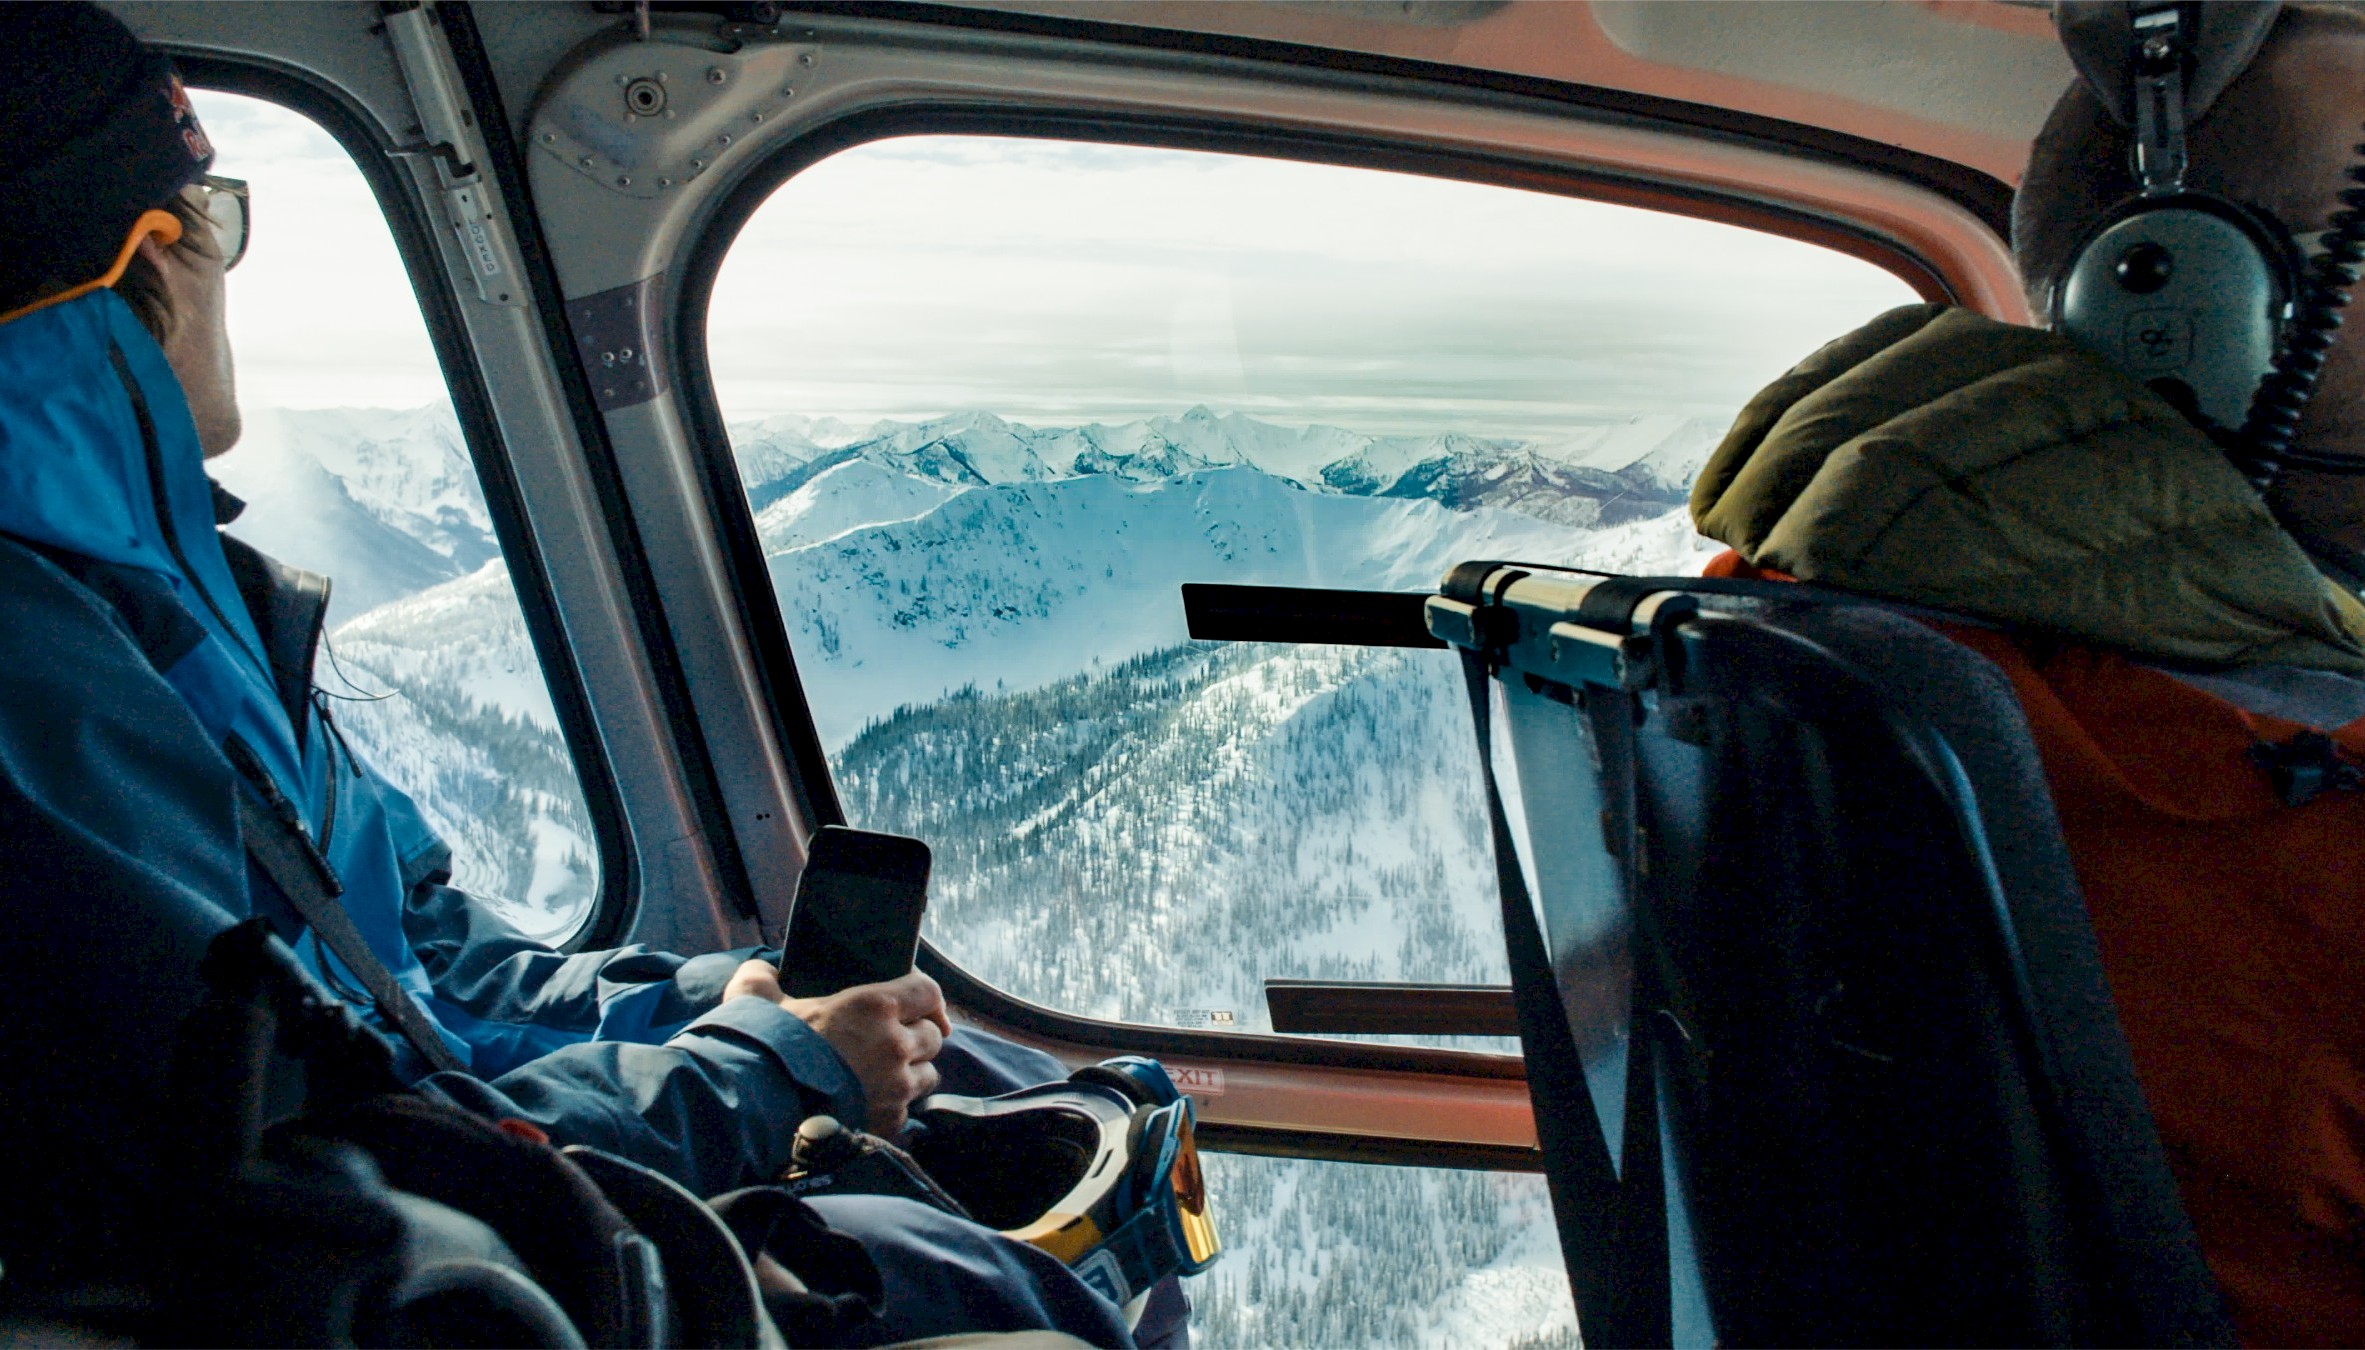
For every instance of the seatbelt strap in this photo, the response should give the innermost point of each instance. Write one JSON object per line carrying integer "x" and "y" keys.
{"x": 276, "y": 839}
{"x": 1613, "y": 1232}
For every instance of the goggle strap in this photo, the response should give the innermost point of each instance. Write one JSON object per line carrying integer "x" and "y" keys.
{"x": 1143, "y": 1250}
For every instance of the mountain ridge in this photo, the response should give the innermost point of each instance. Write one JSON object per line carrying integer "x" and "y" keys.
{"x": 1601, "y": 475}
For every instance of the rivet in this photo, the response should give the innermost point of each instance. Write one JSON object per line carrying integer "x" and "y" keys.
{"x": 665, "y": 182}
{"x": 625, "y": 355}
{"x": 806, "y": 59}
{"x": 585, "y": 161}
{"x": 786, "y": 92}
{"x": 623, "y": 181}
{"x": 697, "y": 163}
{"x": 622, "y": 78}
{"x": 549, "y": 138}
{"x": 724, "y": 139}
{"x": 716, "y": 75}
{"x": 756, "y": 116}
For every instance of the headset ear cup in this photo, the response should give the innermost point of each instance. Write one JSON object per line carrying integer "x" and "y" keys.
{"x": 2284, "y": 259}
{"x": 2184, "y": 292}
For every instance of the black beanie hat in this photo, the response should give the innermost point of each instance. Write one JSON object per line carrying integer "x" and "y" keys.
{"x": 94, "y": 130}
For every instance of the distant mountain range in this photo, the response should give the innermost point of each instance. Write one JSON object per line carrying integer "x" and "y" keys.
{"x": 387, "y": 504}
{"x": 1602, "y": 475}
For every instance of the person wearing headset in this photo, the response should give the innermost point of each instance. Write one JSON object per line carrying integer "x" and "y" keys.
{"x": 179, "y": 659}
{"x": 2189, "y": 650}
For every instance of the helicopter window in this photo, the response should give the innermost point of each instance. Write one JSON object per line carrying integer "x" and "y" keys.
{"x": 993, "y": 400}
{"x": 352, "y": 465}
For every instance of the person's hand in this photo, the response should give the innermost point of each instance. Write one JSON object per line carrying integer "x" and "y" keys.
{"x": 886, "y": 1033}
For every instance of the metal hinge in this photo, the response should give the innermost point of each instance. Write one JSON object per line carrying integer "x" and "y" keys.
{"x": 450, "y": 138}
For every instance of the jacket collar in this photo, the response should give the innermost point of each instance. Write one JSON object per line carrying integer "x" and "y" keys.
{"x": 99, "y": 459}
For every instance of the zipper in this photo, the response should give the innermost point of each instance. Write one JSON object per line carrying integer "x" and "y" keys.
{"x": 153, "y": 452}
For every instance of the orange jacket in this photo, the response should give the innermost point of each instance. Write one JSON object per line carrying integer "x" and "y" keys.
{"x": 2232, "y": 929}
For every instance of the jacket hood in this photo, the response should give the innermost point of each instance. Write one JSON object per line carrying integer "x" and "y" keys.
{"x": 1939, "y": 457}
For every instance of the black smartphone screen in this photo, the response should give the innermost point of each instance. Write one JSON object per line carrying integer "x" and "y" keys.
{"x": 857, "y": 913}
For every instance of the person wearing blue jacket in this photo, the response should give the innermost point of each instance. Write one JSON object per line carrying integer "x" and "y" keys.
{"x": 137, "y": 643}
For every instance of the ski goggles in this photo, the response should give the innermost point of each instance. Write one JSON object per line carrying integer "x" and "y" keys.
{"x": 1101, "y": 1171}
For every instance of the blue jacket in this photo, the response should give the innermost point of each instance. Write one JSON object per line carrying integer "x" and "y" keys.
{"x": 127, "y": 655}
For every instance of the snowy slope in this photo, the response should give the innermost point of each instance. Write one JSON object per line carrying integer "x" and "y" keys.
{"x": 441, "y": 693}
{"x": 384, "y": 503}
{"x": 846, "y": 494}
{"x": 1659, "y": 449}
{"x": 1019, "y": 584}
{"x": 775, "y": 449}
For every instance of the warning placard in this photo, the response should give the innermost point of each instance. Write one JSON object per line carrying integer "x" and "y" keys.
{"x": 1206, "y": 1019}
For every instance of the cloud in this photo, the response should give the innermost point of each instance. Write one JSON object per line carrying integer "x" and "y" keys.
{"x": 321, "y": 311}
{"x": 1056, "y": 282}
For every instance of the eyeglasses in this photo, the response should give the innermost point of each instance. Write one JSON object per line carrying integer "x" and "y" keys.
{"x": 226, "y": 204}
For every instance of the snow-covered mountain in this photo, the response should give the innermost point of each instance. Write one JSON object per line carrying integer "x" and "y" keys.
{"x": 1022, "y": 583}
{"x": 384, "y": 503}
{"x": 441, "y": 692}
{"x": 844, "y": 493}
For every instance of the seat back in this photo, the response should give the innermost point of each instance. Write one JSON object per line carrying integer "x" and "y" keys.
{"x": 1799, "y": 884}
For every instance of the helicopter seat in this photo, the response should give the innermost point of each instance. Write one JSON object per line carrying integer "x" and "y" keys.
{"x": 1816, "y": 1027}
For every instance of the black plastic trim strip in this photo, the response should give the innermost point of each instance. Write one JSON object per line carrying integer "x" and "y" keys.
{"x": 1375, "y": 1008}
{"x": 417, "y": 242}
{"x": 1264, "y": 1141}
{"x": 1217, "y": 612}
{"x": 503, "y": 154}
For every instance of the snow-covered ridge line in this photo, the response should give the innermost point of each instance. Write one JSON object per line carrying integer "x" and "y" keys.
{"x": 1602, "y": 475}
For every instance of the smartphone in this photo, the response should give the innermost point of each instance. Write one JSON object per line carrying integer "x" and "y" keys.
{"x": 857, "y": 914}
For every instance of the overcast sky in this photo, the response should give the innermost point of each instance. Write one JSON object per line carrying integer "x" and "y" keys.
{"x": 1055, "y": 283}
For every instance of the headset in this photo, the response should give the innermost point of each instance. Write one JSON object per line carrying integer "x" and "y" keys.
{"x": 2207, "y": 300}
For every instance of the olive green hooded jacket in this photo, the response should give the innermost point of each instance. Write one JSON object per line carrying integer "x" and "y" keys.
{"x": 1939, "y": 457}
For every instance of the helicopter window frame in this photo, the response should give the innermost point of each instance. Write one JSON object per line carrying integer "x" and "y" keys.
{"x": 699, "y": 264}
{"x": 615, "y": 901}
